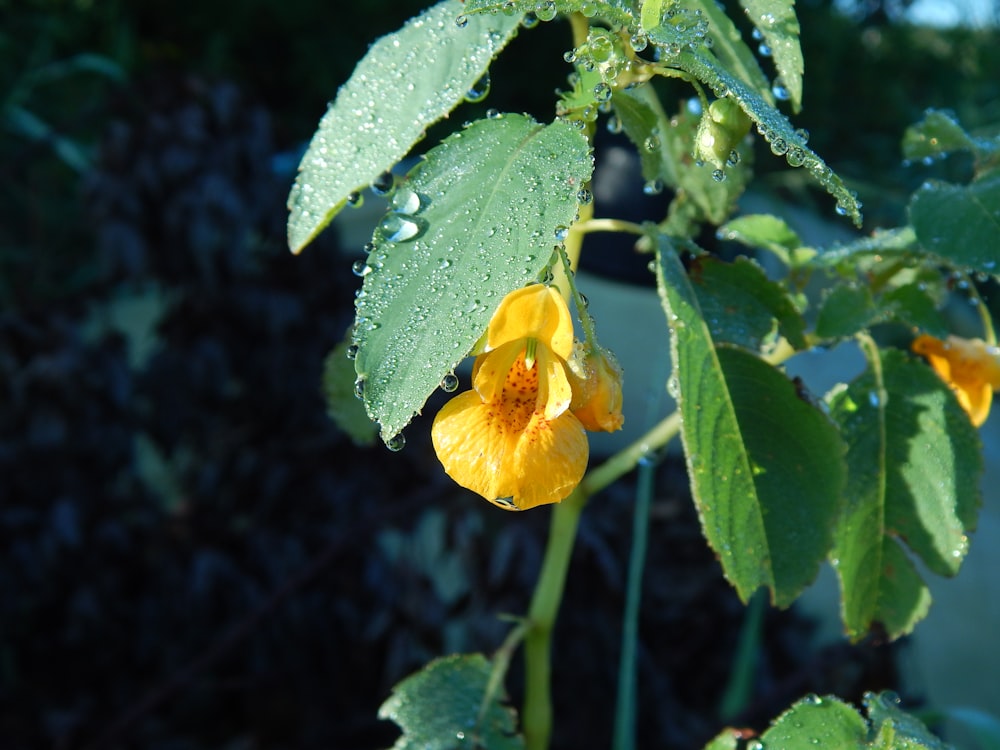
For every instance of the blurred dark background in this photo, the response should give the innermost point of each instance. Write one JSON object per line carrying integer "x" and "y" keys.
{"x": 191, "y": 554}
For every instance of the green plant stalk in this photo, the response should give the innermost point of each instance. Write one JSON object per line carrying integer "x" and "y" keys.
{"x": 536, "y": 714}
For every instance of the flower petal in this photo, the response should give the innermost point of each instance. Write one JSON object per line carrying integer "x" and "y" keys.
{"x": 969, "y": 366}
{"x": 549, "y": 461}
{"x": 535, "y": 311}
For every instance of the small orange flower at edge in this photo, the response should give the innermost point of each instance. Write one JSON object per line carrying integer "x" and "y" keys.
{"x": 514, "y": 438}
{"x": 969, "y": 366}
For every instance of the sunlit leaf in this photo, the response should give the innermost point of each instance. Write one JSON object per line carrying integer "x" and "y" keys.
{"x": 621, "y": 12}
{"x": 765, "y": 465}
{"x": 473, "y": 221}
{"x": 731, "y": 51}
{"x": 769, "y": 233}
{"x": 407, "y": 81}
{"x": 825, "y": 722}
{"x": 441, "y": 708}
{"x": 776, "y": 22}
{"x": 913, "y": 466}
{"x": 894, "y": 729}
{"x": 960, "y": 223}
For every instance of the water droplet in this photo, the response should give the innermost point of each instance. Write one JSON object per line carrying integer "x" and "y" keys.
{"x": 651, "y": 143}
{"x": 757, "y": 34}
{"x": 545, "y": 11}
{"x": 360, "y": 268}
{"x": 779, "y": 146}
{"x": 813, "y": 700}
{"x": 359, "y": 387}
{"x": 602, "y": 92}
{"x": 405, "y": 201}
{"x": 396, "y": 443}
{"x": 734, "y": 158}
{"x": 399, "y": 227}
{"x": 444, "y": 263}
{"x": 653, "y": 187}
{"x": 584, "y": 197}
{"x": 509, "y": 8}
{"x": 493, "y": 114}
{"x": 570, "y": 56}
{"x": 780, "y": 91}
{"x": 561, "y": 233}
{"x": 615, "y": 125}
{"x": 795, "y": 157}
{"x": 461, "y": 20}
{"x": 718, "y": 175}
{"x": 352, "y": 352}
{"x": 449, "y": 383}
{"x": 529, "y": 21}
{"x": 506, "y": 502}
{"x": 383, "y": 184}
{"x": 479, "y": 90}
{"x": 639, "y": 41}
{"x": 764, "y": 50}
{"x": 355, "y": 200}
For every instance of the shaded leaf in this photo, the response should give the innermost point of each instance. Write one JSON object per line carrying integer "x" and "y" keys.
{"x": 742, "y": 306}
{"x": 825, "y": 722}
{"x": 913, "y": 465}
{"x": 939, "y": 133}
{"x": 765, "y": 466}
{"x": 343, "y": 407}
{"x": 475, "y": 220}
{"x": 960, "y": 223}
{"x": 845, "y": 310}
{"x": 441, "y": 707}
{"x": 894, "y": 729}
{"x": 407, "y": 81}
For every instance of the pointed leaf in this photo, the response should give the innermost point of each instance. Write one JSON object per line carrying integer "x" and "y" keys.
{"x": 408, "y": 80}
{"x": 766, "y": 467}
{"x": 939, "y": 133}
{"x": 825, "y": 722}
{"x": 960, "y": 223}
{"x": 913, "y": 466}
{"x": 441, "y": 707}
{"x": 486, "y": 204}
{"x": 778, "y": 25}
{"x": 894, "y": 729}
{"x": 845, "y": 310}
{"x": 731, "y": 51}
{"x": 769, "y": 233}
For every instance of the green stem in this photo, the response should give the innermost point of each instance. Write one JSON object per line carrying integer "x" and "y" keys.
{"x": 536, "y": 715}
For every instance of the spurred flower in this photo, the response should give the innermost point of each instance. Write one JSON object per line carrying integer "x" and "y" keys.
{"x": 969, "y": 366}
{"x": 514, "y": 438}
{"x": 597, "y": 390}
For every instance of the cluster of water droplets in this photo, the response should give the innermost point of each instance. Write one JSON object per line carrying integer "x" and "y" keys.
{"x": 680, "y": 28}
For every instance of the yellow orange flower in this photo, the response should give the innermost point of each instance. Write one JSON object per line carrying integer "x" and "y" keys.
{"x": 514, "y": 438}
{"x": 969, "y": 366}
{"x": 597, "y": 391}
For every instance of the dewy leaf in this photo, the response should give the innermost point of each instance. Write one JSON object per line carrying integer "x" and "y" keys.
{"x": 342, "y": 406}
{"x": 475, "y": 220}
{"x": 408, "y": 80}
{"x": 784, "y": 140}
{"x": 960, "y": 223}
{"x": 845, "y": 310}
{"x": 441, "y": 708}
{"x": 766, "y": 466}
{"x": 913, "y": 466}
{"x": 769, "y": 233}
{"x": 825, "y": 722}
{"x": 731, "y": 51}
{"x": 779, "y": 27}
{"x": 742, "y": 306}
{"x": 937, "y": 134}
{"x": 894, "y": 729}
{"x": 619, "y": 12}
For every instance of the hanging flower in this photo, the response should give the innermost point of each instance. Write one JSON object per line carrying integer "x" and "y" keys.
{"x": 597, "y": 390}
{"x": 969, "y": 366}
{"x": 514, "y": 438}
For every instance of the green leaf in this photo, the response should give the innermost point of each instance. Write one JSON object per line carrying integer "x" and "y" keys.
{"x": 731, "y": 51}
{"x": 913, "y": 305}
{"x": 845, "y": 310}
{"x": 784, "y": 140}
{"x": 742, "y": 306}
{"x": 342, "y": 406}
{"x": 475, "y": 220}
{"x": 765, "y": 466}
{"x": 643, "y": 120}
{"x": 894, "y": 242}
{"x": 894, "y": 729}
{"x": 442, "y": 707}
{"x": 727, "y": 739}
{"x": 777, "y": 23}
{"x": 620, "y": 12}
{"x": 407, "y": 81}
{"x": 769, "y": 233}
{"x": 960, "y": 223}
{"x": 913, "y": 465}
{"x": 825, "y": 722}
{"x": 939, "y": 133}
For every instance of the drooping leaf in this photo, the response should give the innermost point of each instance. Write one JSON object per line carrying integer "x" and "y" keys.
{"x": 913, "y": 465}
{"x": 845, "y": 310}
{"x": 742, "y": 306}
{"x": 777, "y": 23}
{"x": 960, "y": 223}
{"x": 766, "y": 466}
{"x": 731, "y": 51}
{"x": 783, "y": 139}
{"x": 473, "y": 221}
{"x": 407, "y": 81}
{"x": 825, "y": 722}
{"x": 441, "y": 708}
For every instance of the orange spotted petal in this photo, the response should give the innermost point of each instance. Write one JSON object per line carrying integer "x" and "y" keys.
{"x": 515, "y": 469}
{"x": 502, "y": 376}
{"x": 536, "y": 311}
